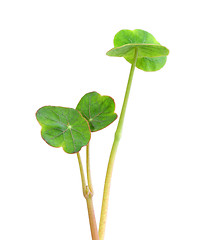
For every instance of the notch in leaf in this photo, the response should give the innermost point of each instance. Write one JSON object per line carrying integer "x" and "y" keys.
{"x": 63, "y": 127}
{"x": 98, "y": 110}
{"x": 151, "y": 55}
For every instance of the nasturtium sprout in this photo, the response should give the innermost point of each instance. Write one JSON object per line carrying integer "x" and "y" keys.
{"x": 71, "y": 128}
{"x": 63, "y": 127}
{"x": 97, "y": 109}
{"x": 151, "y": 55}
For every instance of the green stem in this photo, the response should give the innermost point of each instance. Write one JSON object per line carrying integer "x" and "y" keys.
{"x": 88, "y": 169}
{"x": 117, "y": 137}
{"x": 88, "y": 196}
{"x": 83, "y": 181}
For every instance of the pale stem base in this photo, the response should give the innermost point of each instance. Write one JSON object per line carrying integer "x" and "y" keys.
{"x": 88, "y": 196}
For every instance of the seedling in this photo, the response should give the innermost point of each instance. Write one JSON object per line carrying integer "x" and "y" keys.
{"x": 71, "y": 128}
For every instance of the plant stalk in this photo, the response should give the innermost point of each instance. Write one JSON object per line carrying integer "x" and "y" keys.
{"x": 92, "y": 220}
{"x": 83, "y": 181}
{"x": 88, "y": 196}
{"x": 88, "y": 169}
{"x": 117, "y": 137}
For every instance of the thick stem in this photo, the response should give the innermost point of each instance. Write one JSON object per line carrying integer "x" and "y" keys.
{"x": 117, "y": 137}
{"x": 92, "y": 220}
{"x": 88, "y": 196}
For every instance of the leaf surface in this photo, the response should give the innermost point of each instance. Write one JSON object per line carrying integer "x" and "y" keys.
{"x": 144, "y": 50}
{"x": 97, "y": 109}
{"x": 63, "y": 127}
{"x": 151, "y": 55}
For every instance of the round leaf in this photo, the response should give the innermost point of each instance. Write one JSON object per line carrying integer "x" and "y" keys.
{"x": 97, "y": 109}
{"x": 151, "y": 55}
{"x": 63, "y": 127}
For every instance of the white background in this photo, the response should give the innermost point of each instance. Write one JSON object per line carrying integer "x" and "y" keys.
{"x": 52, "y": 53}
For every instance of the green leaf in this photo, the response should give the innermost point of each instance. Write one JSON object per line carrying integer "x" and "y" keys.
{"x": 97, "y": 109}
{"x": 151, "y": 55}
{"x": 63, "y": 127}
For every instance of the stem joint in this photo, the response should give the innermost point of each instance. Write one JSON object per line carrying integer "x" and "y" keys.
{"x": 87, "y": 193}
